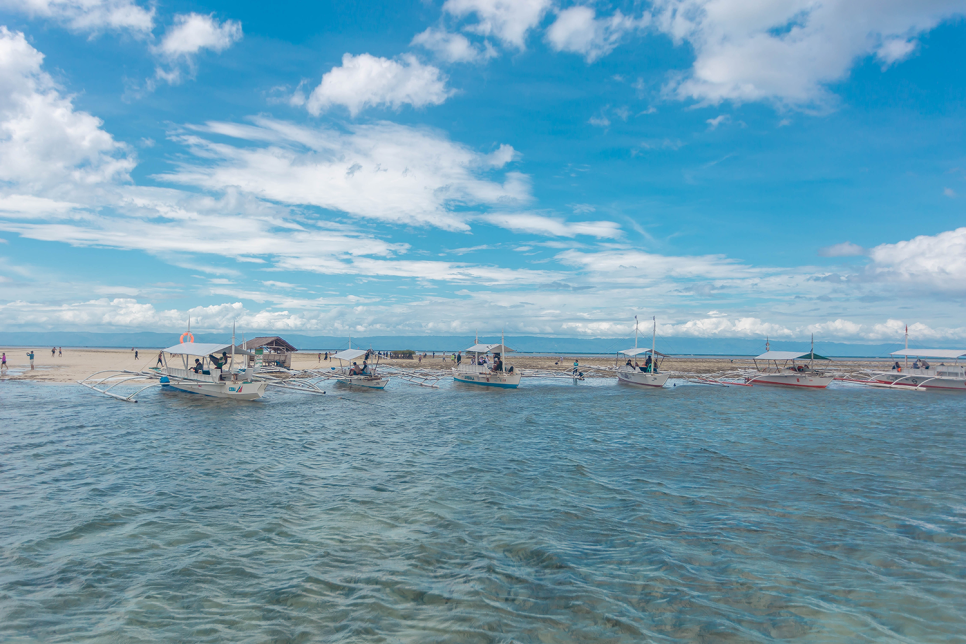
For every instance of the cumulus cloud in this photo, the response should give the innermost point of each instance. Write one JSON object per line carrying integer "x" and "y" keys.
{"x": 381, "y": 171}
{"x": 193, "y": 32}
{"x": 789, "y": 51}
{"x": 369, "y": 81}
{"x": 720, "y": 327}
{"x": 451, "y": 47}
{"x": 578, "y": 30}
{"x": 933, "y": 261}
{"x": 508, "y": 20}
{"x": 187, "y": 37}
{"x": 88, "y": 15}
{"x": 44, "y": 141}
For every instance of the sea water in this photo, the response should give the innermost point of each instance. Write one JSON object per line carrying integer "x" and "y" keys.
{"x": 554, "y": 513}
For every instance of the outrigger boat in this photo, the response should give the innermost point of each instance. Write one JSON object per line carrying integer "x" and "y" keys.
{"x": 790, "y": 369}
{"x": 209, "y": 378}
{"x": 356, "y": 376}
{"x": 478, "y": 373}
{"x": 213, "y": 373}
{"x": 922, "y": 375}
{"x": 645, "y": 376}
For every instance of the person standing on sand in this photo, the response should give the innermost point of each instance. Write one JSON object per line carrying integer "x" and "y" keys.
{"x": 3, "y": 361}
{"x": 320, "y": 358}
{"x": 135, "y": 354}
{"x": 30, "y": 354}
{"x": 160, "y": 359}
{"x": 60, "y": 352}
{"x": 53, "y": 351}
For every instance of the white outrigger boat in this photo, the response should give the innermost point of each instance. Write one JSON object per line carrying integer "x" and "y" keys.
{"x": 354, "y": 375}
{"x": 647, "y": 375}
{"x": 213, "y": 373}
{"x": 922, "y": 375}
{"x": 479, "y": 373}
{"x": 790, "y": 369}
{"x": 206, "y": 376}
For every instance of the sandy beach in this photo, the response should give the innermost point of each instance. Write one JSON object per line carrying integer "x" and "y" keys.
{"x": 76, "y": 364}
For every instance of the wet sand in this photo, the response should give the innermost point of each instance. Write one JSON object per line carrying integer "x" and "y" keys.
{"x": 77, "y": 364}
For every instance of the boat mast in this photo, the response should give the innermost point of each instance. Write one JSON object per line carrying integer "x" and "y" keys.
{"x": 503, "y": 350}
{"x": 906, "y": 367}
{"x": 653, "y": 345}
{"x": 636, "y": 324}
{"x": 232, "y": 347}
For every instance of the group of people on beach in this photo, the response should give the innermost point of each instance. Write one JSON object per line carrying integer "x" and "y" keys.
{"x": 54, "y": 352}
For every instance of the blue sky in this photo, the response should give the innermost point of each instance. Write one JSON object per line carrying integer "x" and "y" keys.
{"x": 737, "y": 168}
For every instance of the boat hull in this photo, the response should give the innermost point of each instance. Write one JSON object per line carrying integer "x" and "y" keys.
{"x": 642, "y": 379}
{"x": 365, "y": 382}
{"x": 488, "y": 379}
{"x": 232, "y": 390}
{"x": 921, "y": 381}
{"x": 792, "y": 380}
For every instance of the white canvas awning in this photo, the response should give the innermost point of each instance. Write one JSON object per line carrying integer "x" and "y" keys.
{"x": 198, "y": 349}
{"x": 637, "y": 352}
{"x": 350, "y": 354}
{"x": 947, "y": 354}
{"x": 488, "y": 348}
{"x": 789, "y": 355}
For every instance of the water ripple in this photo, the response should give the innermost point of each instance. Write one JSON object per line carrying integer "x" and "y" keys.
{"x": 549, "y": 514}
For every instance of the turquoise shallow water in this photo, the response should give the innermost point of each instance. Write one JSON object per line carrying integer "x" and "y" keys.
{"x": 554, "y": 513}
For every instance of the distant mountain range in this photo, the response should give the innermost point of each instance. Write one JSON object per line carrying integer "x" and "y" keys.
{"x": 529, "y": 344}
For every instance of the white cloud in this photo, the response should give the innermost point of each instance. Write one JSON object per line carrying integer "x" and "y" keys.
{"x": 193, "y": 32}
{"x": 44, "y": 141}
{"x": 552, "y": 226}
{"x": 187, "y": 37}
{"x": 382, "y": 171}
{"x": 845, "y": 249}
{"x": 508, "y": 20}
{"x": 937, "y": 261}
{"x": 949, "y": 192}
{"x": 367, "y": 81}
{"x": 894, "y": 50}
{"x": 788, "y": 51}
{"x": 578, "y": 30}
{"x": 720, "y": 327}
{"x": 718, "y": 120}
{"x": 88, "y": 15}
{"x": 452, "y": 48}
{"x": 635, "y": 265}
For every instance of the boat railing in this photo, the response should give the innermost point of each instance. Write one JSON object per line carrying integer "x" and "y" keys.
{"x": 476, "y": 368}
{"x": 939, "y": 371}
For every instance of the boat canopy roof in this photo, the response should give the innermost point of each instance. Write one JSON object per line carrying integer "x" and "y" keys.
{"x": 488, "y": 348}
{"x": 949, "y": 354}
{"x": 350, "y": 354}
{"x": 197, "y": 349}
{"x": 790, "y": 355}
{"x": 637, "y": 352}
